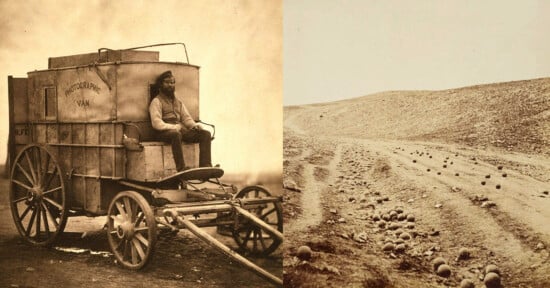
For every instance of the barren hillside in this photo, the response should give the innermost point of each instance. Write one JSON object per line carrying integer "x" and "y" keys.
{"x": 511, "y": 115}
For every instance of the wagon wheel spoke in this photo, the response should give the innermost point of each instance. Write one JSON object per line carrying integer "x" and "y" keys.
{"x": 38, "y": 164}
{"x": 33, "y": 216}
{"x": 29, "y": 207}
{"x": 45, "y": 217}
{"x": 142, "y": 239}
{"x": 128, "y": 208}
{"x": 254, "y": 240}
{"x": 47, "y": 212}
{"x": 134, "y": 254}
{"x": 19, "y": 200}
{"x": 121, "y": 211}
{"x": 38, "y": 219}
{"x": 262, "y": 242}
{"x": 29, "y": 162}
{"x": 21, "y": 184}
{"x": 53, "y": 190}
{"x": 140, "y": 217}
{"x": 247, "y": 237}
{"x": 29, "y": 178}
{"x": 59, "y": 206}
{"x": 139, "y": 249}
{"x": 263, "y": 216}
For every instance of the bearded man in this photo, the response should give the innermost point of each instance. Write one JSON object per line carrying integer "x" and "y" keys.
{"x": 173, "y": 124}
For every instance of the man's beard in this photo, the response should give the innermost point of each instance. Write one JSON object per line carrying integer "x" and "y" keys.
{"x": 168, "y": 91}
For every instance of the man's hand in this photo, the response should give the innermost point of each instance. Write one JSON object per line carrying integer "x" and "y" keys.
{"x": 197, "y": 127}
{"x": 178, "y": 127}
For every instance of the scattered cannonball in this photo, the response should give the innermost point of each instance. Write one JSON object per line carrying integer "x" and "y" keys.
{"x": 388, "y": 247}
{"x": 475, "y": 163}
{"x": 394, "y": 226}
{"x": 463, "y": 253}
{"x": 483, "y": 182}
{"x": 405, "y": 236}
{"x": 410, "y": 226}
{"x": 498, "y": 186}
{"x": 386, "y": 217}
{"x": 428, "y": 170}
{"x": 444, "y": 161}
{"x": 430, "y": 156}
{"x": 401, "y": 217}
{"x": 504, "y": 175}
{"x": 438, "y": 262}
{"x": 399, "y": 210}
{"x": 445, "y": 166}
{"x": 492, "y": 268}
{"x": 414, "y": 161}
{"x": 492, "y": 280}
{"x": 393, "y": 214}
{"x": 487, "y": 176}
{"x": 438, "y": 173}
{"x": 398, "y": 232}
{"x": 467, "y": 283}
{"x": 375, "y": 217}
{"x": 456, "y": 174}
{"x": 386, "y": 198}
{"x": 382, "y": 224}
{"x": 304, "y": 252}
{"x": 379, "y": 200}
{"x": 499, "y": 167}
{"x": 399, "y": 241}
{"x": 410, "y": 218}
{"x": 400, "y": 248}
{"x": 451, "y": 163}
{"x": 444, "y": 270}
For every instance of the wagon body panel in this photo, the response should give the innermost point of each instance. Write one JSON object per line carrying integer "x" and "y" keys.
{"x": 83, "y": 106}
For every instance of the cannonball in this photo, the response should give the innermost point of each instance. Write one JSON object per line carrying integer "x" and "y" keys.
{"x": 405, "y": 236}
{"x": 410, "y": 226}
{"x": 388, "y": 247}
{"x": 393, "y": 214}
{"x": 492, "y": 280}
{"x": 438, "y": 262}
{"x": 398, "y": 241}
{"x": 382, "y": 224}
{"x": 492, "y": 268}
{"x": 401, "y": 217}
{"x": 500, "y": 167}
{"x": 386, "y": 217}
{"x": 375, "y": 217}
{"x": 394, "y": 226}
{"x": 498, "y": 186}
{"x": 444, "y": 270}
{"x": 463, "y": 253}
{"x": 410, "y": 218}
{"x": 399, "y": 210}
{"x": 467, "y": 283}
{"x": 398, "y": 232}
{"x": 400, "y": 248}
{"x": 438, "y": 173}
{"x": 304, "y": 252}
{"x": 483, "y": 182}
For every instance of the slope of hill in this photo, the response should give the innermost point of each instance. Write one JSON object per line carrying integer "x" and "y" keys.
{"x": 511, "y": 115}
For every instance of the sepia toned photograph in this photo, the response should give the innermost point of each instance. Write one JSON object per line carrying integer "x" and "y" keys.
{"x": 416, "y": 144}
{"x": 141, "y": 144}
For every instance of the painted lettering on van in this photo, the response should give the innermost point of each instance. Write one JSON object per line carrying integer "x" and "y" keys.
{"x": 83, "y": 85}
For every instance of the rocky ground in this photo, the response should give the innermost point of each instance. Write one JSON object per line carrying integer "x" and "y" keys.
{"x": 378, "y": 211}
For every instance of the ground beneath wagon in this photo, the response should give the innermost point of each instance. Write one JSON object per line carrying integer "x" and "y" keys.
{"x": 82, "y": 259}
{"x": 377, "y": 212}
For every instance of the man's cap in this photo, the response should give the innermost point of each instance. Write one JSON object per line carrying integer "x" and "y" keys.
{"x": 164, "y": 75}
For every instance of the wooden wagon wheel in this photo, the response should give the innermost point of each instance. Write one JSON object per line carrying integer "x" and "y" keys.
{"x": 251, "y": 238}
{"x": 37, "y": 195}
{"x": 131, "y": 229}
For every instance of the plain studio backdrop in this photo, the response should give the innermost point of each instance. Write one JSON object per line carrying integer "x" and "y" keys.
{"x": 237, "y": 44}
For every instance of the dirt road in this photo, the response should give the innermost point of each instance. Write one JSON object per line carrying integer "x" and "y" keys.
{"x": 493, "y": 204}
{"x": 76, "y": 261}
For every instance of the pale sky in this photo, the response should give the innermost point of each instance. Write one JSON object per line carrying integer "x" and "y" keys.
{"x": 237, "y": 44}
{"x": 344, "y": 49}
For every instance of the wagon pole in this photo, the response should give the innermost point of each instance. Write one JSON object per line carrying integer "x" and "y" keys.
{"x": 224, "y": 249}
